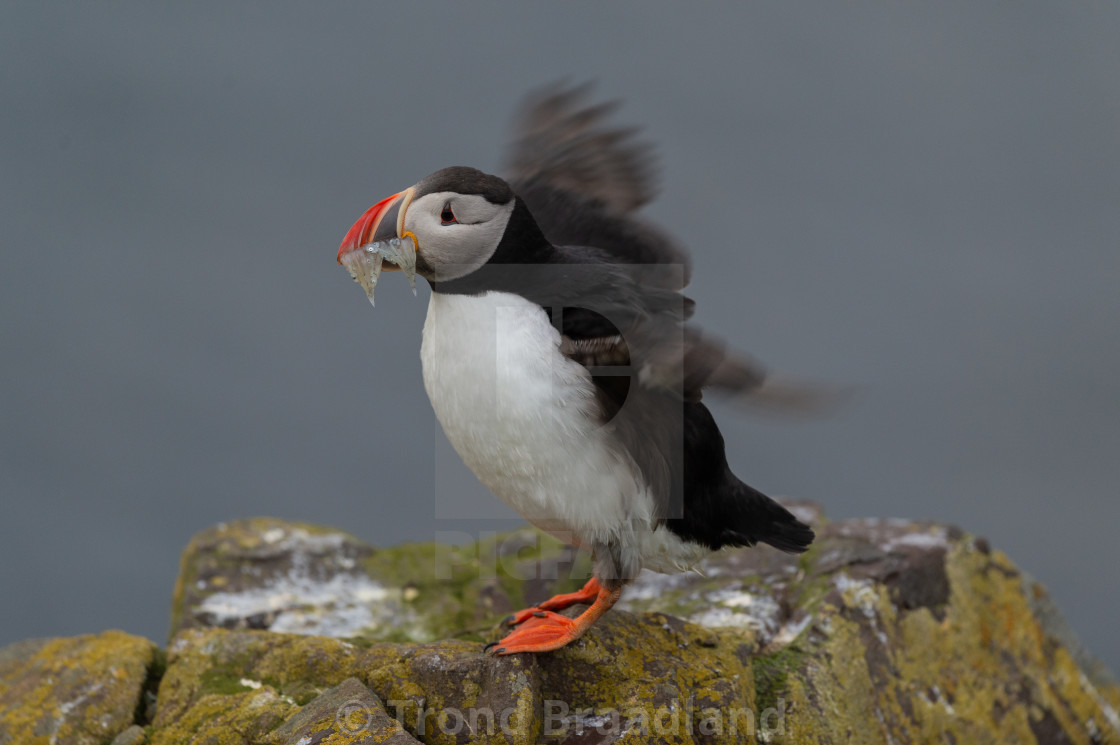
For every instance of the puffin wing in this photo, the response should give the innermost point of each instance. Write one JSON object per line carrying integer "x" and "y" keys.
{"x": 562, "y": 142}
{"x": 618, "y": 321}
{"x": 670, "y": 357}
{"x": 685, "y": 362}
{"x": 582, "y": 182}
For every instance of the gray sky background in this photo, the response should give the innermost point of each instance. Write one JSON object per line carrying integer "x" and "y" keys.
{"x": 920, "y": 200}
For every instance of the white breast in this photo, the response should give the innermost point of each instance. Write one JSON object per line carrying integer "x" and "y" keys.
{"x": 524, "y": 418}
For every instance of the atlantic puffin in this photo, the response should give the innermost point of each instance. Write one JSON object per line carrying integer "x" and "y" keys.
{"x": 560, "y": 361}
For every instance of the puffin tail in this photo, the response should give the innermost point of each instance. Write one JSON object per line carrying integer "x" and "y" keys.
{"x": 759, "y": 519}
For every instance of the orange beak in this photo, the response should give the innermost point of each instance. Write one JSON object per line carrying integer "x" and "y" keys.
{"x": 381, "y": 222}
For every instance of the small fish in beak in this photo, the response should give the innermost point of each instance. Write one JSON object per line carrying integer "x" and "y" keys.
{"x": 406, "y": 258}
{"x": 365, "y": 264}
{"x": 374, "y": 244}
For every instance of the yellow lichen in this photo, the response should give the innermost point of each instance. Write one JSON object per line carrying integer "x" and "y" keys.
{"x": 82, "y": 689}
{"x": 977, "y": 666}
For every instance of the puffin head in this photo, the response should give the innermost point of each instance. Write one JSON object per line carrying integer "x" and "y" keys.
{"x": 444, "y": 227}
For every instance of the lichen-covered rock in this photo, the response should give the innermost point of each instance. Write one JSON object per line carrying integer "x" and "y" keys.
{"x": 228, "y": 719}
{"x": 134, "y": 735}
{"x": 348, "y": 714}
{"x": 270, "y": 574}
{"x": 764, "y": 595}
{"x": 888, "y": 628}
{"x": 886, "y": 631}
{"x": 648, "y": 676}
{"x": 630, "y": 675}
{"x": 85, "y": 689}
{"x": 206, "y": 664}
{"x": 425, "y": 686}
{"x": 929, "y": 635}
{"x": 451, "y": 692}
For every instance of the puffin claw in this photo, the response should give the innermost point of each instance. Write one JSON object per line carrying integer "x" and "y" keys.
{"x": 540, "y": 614}
{"x": 489, "y": 646}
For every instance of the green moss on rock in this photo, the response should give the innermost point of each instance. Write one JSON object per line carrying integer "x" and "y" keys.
{"x": 231, "y": 719}
{"x": 771, "y": 675}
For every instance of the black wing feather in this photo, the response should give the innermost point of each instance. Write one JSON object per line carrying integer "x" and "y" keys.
{"x": 582, "y": 182}
{"x": 561, "y": 141}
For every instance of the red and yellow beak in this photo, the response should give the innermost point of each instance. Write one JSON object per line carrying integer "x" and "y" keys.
{"x": 380, "y": 223}
{"x": 378, "y": 242}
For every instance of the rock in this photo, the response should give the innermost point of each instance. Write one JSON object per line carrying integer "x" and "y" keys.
{"x": 298, "y": 578}
{"x": 885, "y": 631}
{"x": 636, "y": 677}
{"x": 208, "y": 664}
{"x": 251, "y": 716}
{"x": 451, "y": 692}
{"x": 913, "y": 632}
{"x": 85, "y": 689}
{"x": 349, "y": 712}
{"x": 134, "y": 735}
{"x": 268, "y": 574}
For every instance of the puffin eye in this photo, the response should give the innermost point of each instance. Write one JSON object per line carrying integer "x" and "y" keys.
{"x": 447, "y": 217}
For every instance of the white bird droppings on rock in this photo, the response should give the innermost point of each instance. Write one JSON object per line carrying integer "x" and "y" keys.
{"x": 272, "y": 535}
{"x": 303, "y": 604}
{"x": 936, "y": 538}
{"x": 857, "y": 593}
{"x": 736, "y": 608}
{"x": 790, "y": 631}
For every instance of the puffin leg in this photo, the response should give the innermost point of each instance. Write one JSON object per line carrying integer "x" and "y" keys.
{"x": 547, "y": 630}
{"x": 586, "y": 596}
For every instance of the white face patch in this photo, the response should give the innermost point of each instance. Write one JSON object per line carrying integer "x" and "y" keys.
{"x": 456, "y": 249}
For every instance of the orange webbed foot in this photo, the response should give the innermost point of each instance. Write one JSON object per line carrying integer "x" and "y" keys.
{"x": 585, "y": 596}
{"x": 542, "y": 630}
